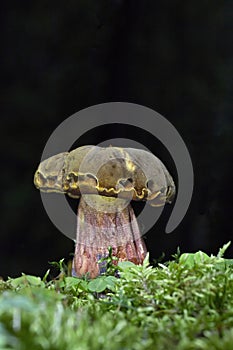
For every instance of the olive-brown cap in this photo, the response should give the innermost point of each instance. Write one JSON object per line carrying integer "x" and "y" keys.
{"x": 107, "y": 171}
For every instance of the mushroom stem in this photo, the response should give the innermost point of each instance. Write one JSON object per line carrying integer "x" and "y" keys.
{"x": 97, "y": 229}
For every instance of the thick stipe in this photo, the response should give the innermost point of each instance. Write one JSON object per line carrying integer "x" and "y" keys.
{"x": 97, "y": 230}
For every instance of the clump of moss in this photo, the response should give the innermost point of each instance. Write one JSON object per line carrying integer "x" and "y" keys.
{"x": 182, "y": 304}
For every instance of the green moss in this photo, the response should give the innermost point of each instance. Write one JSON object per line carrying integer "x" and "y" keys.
{"x": 182, "y": 304}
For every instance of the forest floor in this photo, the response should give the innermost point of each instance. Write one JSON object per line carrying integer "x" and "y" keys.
{"x": 183, "y": 304}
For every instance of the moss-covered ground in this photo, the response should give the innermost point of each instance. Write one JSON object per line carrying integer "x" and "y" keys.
{"x": 183, "y": 304}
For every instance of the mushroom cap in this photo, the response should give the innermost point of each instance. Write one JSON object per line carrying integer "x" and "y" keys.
{"x": 107, "y": 171}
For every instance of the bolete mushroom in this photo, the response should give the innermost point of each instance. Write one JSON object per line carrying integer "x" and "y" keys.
{"x": 106, "y": 180}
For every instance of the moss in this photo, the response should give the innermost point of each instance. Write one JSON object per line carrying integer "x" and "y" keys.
{"x": 182, "y": 304}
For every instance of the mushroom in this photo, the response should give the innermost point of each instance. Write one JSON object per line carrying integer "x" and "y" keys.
{"x": 106, "y": 179}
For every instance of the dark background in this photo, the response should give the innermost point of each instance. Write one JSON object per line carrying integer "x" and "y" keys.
{"x": 60, "y": 57}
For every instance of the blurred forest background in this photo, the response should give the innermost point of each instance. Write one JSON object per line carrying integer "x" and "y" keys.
{"x": 60, "y": 57}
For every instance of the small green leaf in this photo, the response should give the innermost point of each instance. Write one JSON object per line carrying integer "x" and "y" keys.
{"x": 125, "y": 265}
{"x": 33, "y": 280}
{"x": 98, "y": 285}
{"x": 25, "y": 281}
{"x": 190, "y": 259}
{"x": 73, "y": 282}
{"x": 200, "y": 257}
{"x": 222, "y": 264}
{"x": 111, "y": 282}
{"x": 187, "y": 259}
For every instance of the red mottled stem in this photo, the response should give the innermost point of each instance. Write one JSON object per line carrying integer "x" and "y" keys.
{"x": 97, "y": 230}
